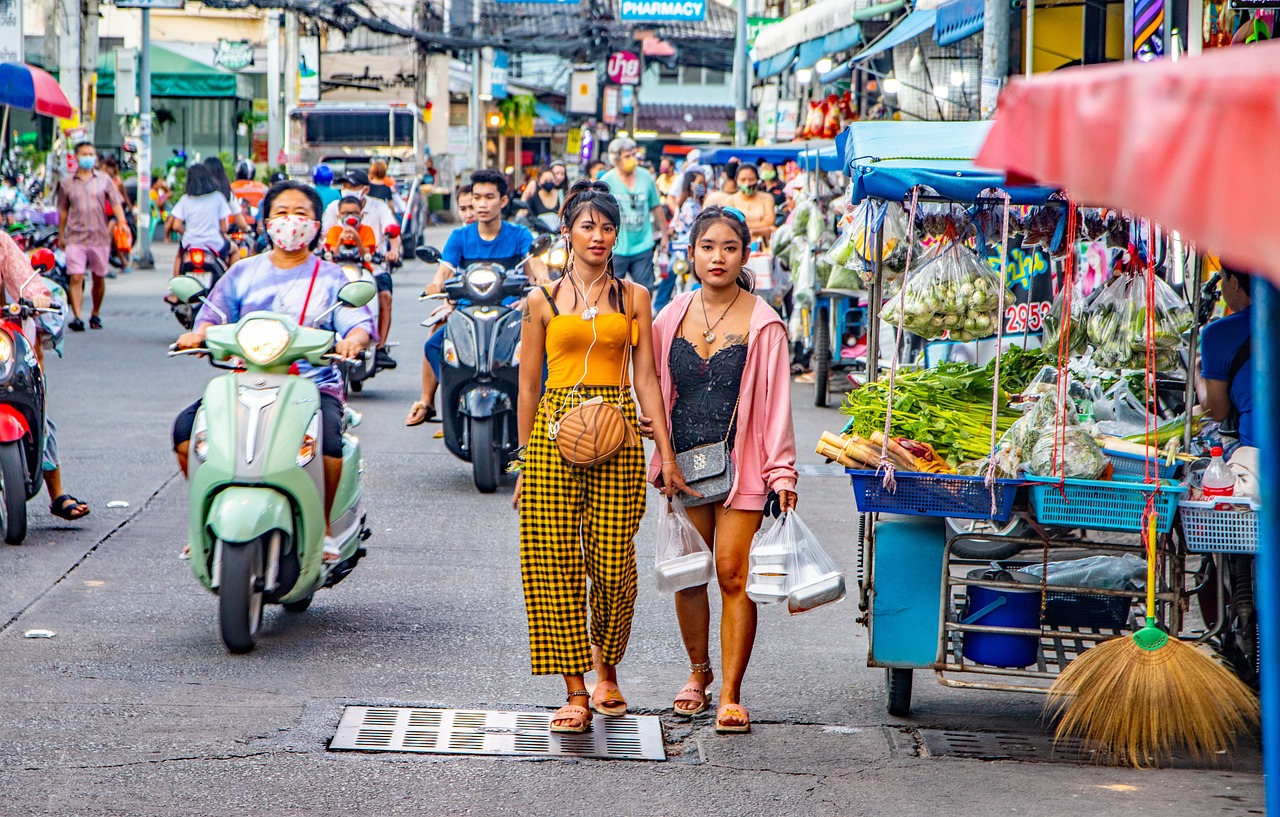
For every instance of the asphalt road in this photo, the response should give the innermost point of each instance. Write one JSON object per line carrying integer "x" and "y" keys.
{"x": 135, "y": 708}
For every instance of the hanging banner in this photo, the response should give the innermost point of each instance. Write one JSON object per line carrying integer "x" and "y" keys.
{"x": 11, "y": 31}
{"x": 584, "y": 91}
{"x": 498, "y": 75}
{"x": 628, "y": 99}
{"x": 612, "y": 101}
{"x": 1148, "y": 30}
{"x": 664, "y": 10}
{"x": 308, "y": 69}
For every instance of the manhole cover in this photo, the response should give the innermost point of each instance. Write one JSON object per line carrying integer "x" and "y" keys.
{"x": 455, "y": 731}
{"x": 1006, "y": 746}
{"x": 811, "y": 470}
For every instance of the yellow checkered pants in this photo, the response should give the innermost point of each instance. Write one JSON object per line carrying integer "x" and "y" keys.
{"x": 578, "y": 524}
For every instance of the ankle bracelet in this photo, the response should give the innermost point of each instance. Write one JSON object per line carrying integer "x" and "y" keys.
{"x": 705, "y": 666}
{"x": 581, "y": 693}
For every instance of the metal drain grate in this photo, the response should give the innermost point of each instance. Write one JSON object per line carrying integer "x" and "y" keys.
{"x": 454, "y": 731}
{"x": 1007, "y": 746}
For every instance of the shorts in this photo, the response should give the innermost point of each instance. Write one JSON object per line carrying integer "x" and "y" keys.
{"x": 95, "y": 258}
{"x": 638, "y": 266}
{"x": 383, "y": 280}
{"x": 433, "y": 349}
{"x": 331, "y": 411}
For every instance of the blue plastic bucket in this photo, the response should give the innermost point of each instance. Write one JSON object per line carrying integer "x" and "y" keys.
{"x": 999, "y": 607}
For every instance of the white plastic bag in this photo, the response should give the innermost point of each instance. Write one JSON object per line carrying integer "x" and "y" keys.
{"x": 682, "y": 559}
{"x": 787, "y": 562}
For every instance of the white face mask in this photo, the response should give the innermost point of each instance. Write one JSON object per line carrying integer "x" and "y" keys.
{"x": 359, "y": 194}
{"x": 292, "y": 233}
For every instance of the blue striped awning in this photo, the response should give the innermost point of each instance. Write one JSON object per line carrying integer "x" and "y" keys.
{"x": 957, "y": 20}
{"x": 772, "y": 66}
{"x": 549, "y": 115}
{"x": 907, "y": 28}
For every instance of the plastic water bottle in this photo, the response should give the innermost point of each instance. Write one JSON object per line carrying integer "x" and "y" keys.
{"x": 1218, "y": 479}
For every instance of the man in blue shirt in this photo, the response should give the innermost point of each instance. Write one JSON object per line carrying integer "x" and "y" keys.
{"x": 1226, "y": 364}
{"x": 488, "y": 239}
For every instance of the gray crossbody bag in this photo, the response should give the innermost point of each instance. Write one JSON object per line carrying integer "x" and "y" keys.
{"x": 708, "y": 469}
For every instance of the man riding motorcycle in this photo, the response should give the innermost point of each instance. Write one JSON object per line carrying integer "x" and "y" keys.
{"x": 291, "y": 280}
{"x": 489, "y": 239}
{"x": 249, "y": 192}
{"x": 378, "y": 217}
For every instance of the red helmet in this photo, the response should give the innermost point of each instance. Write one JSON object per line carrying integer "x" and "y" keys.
{"x": 43, "y": 259}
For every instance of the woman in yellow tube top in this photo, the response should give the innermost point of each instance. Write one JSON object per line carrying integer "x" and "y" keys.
{"x": 578, "y": 524}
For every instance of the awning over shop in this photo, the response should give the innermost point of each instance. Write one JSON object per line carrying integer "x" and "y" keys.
{"x": 677, "y": 119}
{"x": 173, "y": 75}
{"x": 813, "y": 23}
{"x": 957, "y": 20}
{"x": 833, "y": 43}
{"x": 884, "y": 161}
{"x": 549, "y": 115}
{"x": 906, "y": 29}
{"x": 772, "y": 66}
{"x": 774, "y": 154}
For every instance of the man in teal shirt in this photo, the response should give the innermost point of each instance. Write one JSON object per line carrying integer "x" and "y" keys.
{"x": 642, "y": 212}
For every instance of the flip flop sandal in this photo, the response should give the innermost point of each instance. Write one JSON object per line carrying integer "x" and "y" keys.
{"x": 737, "y": 710}
{"x": 332, "y": 551}
{"x": 428, "y": 412}
{"x": 578, "y": 716}
{"x": 65, "y": 507}
{"x": 611, "y": 704}
{"x": 693, "y": 693}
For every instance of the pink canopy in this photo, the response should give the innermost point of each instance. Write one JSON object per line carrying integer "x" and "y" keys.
{"x": 1194, "y": 145}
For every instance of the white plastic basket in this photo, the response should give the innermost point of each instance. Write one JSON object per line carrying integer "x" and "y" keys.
{"x": 1233, "y": 529}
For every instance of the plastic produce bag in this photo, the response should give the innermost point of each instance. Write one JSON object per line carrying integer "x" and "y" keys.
{"x": 1121, "y": 414}
{"x": 1098, "y": 572}
{"x": 954, "y": 292}
{"x": 1118, "y": 323}
{"x": 1073, "y": 453}
{"x": 1052, "y": 321}
{"x": 682, "y": 559}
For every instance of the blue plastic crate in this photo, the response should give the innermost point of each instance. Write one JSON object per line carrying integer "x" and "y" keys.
{"x": 933, "y": 495}
{"x": 1133, "y": 465}
{"x": 1117, "y": 504}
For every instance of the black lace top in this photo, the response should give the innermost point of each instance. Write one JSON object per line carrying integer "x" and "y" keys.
{"x": 706, "y": 392}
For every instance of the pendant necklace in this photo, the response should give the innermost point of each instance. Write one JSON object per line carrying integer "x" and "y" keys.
{"x": 709, "y": 336}
{"x": 591, "y": 311}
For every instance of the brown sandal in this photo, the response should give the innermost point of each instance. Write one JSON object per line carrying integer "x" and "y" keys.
{"x": 578, "y": 716}
{"x": 608, "y": 700}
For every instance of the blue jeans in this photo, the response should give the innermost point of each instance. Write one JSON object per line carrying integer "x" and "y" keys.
{"x": 434, "y": 350}
{"x": 638, "y": 266}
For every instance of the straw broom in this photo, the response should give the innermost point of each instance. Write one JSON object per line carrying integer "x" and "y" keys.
{"x": 1146, "y": 694}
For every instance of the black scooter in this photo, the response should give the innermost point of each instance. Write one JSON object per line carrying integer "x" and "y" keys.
{"x": 480, "y": 377}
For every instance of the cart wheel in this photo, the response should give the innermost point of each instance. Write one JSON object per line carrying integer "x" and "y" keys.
{"x": 821, "y": 359}
{"x": 898, "y": 687}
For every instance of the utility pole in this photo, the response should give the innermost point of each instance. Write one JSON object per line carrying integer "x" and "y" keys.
{"x": 69, "y": 63}
{"x": 291, "y": 59}
{"x": 995, "y": 54}
{"x": 144, "y": 258}
{"x": 741, "y": 77}
{"x": 274, "y": 131}
{"x": 88, "y": 68}
{"x": 475, "y": 111}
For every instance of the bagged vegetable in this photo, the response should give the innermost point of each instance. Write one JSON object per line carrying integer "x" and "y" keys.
{"x": 1118, "y": 323}
{"x": 1053, "y": 320}
{"x": 682, "y": 559}
{"x": 1073, "y": 453}
{"x": 953, "y": 292}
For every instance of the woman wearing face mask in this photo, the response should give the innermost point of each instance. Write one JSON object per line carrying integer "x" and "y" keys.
{"x": 545, "y": 203}
{"x": 754, "y": 203}
{"x": 693, "y": 191}
{"x": 771, "y": 184}
{"x": 292, "y": 281}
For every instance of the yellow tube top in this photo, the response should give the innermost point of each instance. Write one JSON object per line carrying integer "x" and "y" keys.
{"x": 568, "y": 339}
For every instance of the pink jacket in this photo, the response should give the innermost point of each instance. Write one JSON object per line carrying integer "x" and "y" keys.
{"x": 764, "y": 450}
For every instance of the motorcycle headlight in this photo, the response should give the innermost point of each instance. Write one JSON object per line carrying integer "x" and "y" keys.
{"x": 482, "y": 281}
{"x": 450, "y": 353}
{"x": 263, "y": 340}
{"x": 200, "y": 436}
{"x": 557, "y": 257}
{"x": 307, "y": 451}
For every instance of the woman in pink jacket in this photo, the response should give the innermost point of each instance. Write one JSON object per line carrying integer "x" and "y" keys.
{"x": 723, "y": 364}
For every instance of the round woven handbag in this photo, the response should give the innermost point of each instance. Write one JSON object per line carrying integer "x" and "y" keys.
{"x": 593, "y": 432}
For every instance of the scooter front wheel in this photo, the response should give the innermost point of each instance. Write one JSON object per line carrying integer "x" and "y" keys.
{"x": 240, "y": 594}
{"x": 13, "y": 487}
{"x": 485, "y": 456}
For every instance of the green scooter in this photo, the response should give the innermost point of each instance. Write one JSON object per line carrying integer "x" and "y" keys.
{"x": 257, "y": 522}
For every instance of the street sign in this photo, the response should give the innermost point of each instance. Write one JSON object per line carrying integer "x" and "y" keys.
{"x": 664, "y": 10}
{"x": 623, "y": 68}
{"x": 151, "y": 4}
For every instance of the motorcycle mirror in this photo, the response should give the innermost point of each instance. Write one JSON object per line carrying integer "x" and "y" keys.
{"x": 186, "y": 288}
{"x": 540, "y": 245}
{"x": 357, "y": 293}
{"x": 429, "y": 254}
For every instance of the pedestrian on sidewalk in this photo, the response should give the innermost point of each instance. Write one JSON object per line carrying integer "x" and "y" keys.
{"x": 85, "y": 230}
{"x": 578, "y": 524}
{"x": 723, "y": 361}
{"x": 642, "y": 214}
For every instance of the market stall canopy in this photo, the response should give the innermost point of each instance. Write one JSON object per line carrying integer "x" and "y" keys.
{"x": 1190, "y": 144}
{"x": 173, "y": 75}
{"x": 807, "y": 25}
{"x": 774, "y": 154}
{"x": 674, "y": 119}
{"x": 826, "y": 158}
{"x": 887, "y": 159}
{"x": 958, "y": 20}
{"x": 29, "y": 88}
{"x": 907, "y": 28}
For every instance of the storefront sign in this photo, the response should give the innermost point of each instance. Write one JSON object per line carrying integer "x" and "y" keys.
{"x": 308, "y": 69}
{"x": 1148, "y": 30}
{"x": 584, "y": 91}
{"x": 788, "y": 119}
{"x": 11, "y": 31}
{"x": 1028, "y": 274}
{"x": 367, "y": 78}
{"x": 150, "y": 4}
{"x": 234, "y": 55}
{"x": 628, "y": 98}
{"x": 757, "y": 24}
{"x": 498, "y": 75}
{"x": 660, "y": 10}
{"x": 623, "y": 68}
{"x": 1255, "y": 4}
{"x": 612, "y": 100}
